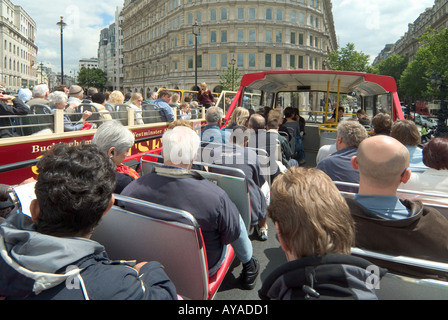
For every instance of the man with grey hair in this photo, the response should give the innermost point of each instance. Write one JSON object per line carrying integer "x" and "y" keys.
{"x": 337, "y": 166}
{"x": 40, "y": 95}
{"x": 212, "y": 132}
{"x": 175, "y": 185}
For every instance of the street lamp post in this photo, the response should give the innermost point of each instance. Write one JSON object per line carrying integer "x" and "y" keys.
{"x": 196, "y": 31}
{"x": 233, "y": 73}
{"x": 62, "y": 24}
{"x": 438, "y": 81}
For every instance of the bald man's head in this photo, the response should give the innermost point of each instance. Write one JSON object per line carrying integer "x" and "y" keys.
{"x": 382, "y": 160}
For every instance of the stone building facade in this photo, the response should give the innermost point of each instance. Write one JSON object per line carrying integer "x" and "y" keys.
{"x": 159, "y": 44}
{"x": 18, "y": 49}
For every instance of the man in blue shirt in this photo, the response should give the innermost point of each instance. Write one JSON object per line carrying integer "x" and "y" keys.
{"x": 384, "y": 223}
{"x": 212, "y": 132}
{"x": 337, "y": 166}
{"x": 162, "y": 104}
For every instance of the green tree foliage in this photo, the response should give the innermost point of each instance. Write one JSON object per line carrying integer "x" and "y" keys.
{"x": 393, "y": 66}
{"x": 229, "y": 78}
{"x": 92, "y": 78}
{"x": 348, "y": 59}
{"x": 431, "y": 58}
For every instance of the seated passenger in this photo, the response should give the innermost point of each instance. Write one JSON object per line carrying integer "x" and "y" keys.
{"x": 337, "y": 166}
{"x": 406, "y": 131}
{"x": 175, "y": 185}
{"x": 99, "y": 101}
{"x": 435, "y": 179}
{"x": 272, "y": 127}
{"x": 237, "y": 155}
{"x": 381, "y": 124}
{"x": 135, "y": 103}
{"x": 212, "y": 132}
{"x": 239, "y": 117}
{"x": 58, "y": 100}
{"x": 384, "y": 223}
{"x": 340, "y": 115}
{"x": 259, "y": 139}
{"x": 115, "y": 140}
{"x": 316, "y": 233}
{"x": 50, "y": 256}
{"x": 17, "y": 107}
{"x": 185, "y": 111}
{"x": 162, "y": 104}
{"x": 363, "y": 118}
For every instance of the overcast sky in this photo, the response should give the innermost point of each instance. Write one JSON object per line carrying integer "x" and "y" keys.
{"x": 369, "y": 24}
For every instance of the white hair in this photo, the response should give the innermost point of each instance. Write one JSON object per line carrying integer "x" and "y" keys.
{"x": 57, "y": 97}
{"x": 40, "y": 90}
{"x": 113, "y": 134}
{"x": 180, "y": 145}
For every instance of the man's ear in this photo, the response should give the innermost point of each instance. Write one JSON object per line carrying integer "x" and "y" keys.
{"x": 35, "y": 210}
{"x": 406, "y": 176}
{"x": 289, "y": 255}
{"x": 354, "y": 162}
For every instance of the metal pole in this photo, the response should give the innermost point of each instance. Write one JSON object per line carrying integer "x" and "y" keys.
{"x": 62, "y": 24}
{"x": 196, "y": 61}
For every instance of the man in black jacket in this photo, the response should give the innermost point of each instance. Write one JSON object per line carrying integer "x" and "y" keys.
{"x": 10, "y": 105}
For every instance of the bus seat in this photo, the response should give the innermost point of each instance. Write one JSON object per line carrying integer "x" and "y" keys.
{"x": 40, "y": 118}
{"x": 122, "y": 113}
{"x": 235, "y": 185}
{"x": 395, "y": 286}
{"x": 434, "y": 200}
{"x": 151, "y": 113}
{"x": 95, "y": 117}
{"x": 167, "y": 235}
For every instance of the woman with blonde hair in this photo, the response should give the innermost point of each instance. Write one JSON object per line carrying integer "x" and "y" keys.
{"x": 116, "y": 97}
{"x": 239, "y": 117}
{"x": 136, "y": 103}
{"x": 316, "y": 231}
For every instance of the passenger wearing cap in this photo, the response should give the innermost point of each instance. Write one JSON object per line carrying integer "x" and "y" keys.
{"x": 75, "y": 96}
{"x": 9, "y": 105}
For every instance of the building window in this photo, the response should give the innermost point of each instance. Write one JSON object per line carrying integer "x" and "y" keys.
{"x": 240, "y": 35}
{"x": 223, "y": 35}
{"x": 252, "y": 35}
{"x": 224, "y": 14}
{"x": 252, "y": 13}
{"x": 268, "y": 60}
{"x": 213, "y": 36}
{"x": 279, "y": 15}
{"x": 252, "y": 60}
{"x": 268, "y": 35}
{"x": 213, "y": 15}
{"x": 240, "y": 13}
{"x": 268, "y": 14}
{"x": 240, "y": 60}
{"x": 224, "y": 62}
{"x": 293, "y": 38}
{"x": 278, "y": 37}
{"x": 292, "y": 61}
{"x": 190, "y": 63}
{"x": 278, "y": 60}
{"x": 300, "y": 62}
{"x": 213, "y": 64}
{"x": 301, "y": 38}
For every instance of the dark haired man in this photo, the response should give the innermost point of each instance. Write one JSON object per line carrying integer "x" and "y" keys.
{"x": 51, "y": 256}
